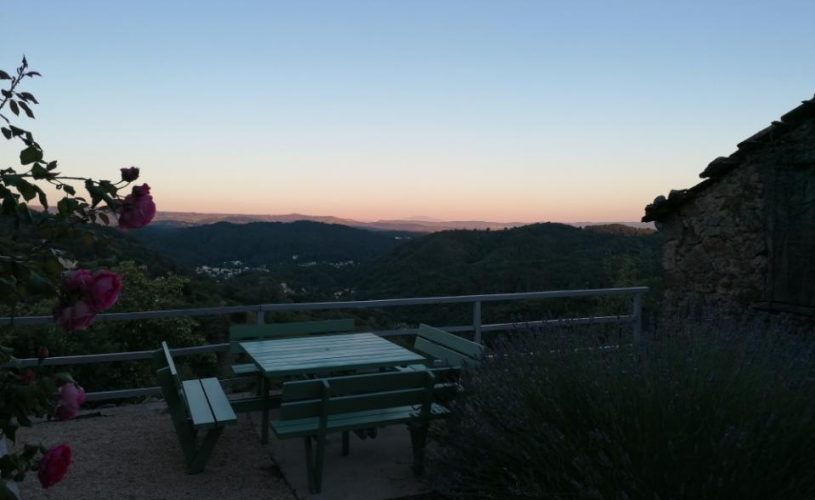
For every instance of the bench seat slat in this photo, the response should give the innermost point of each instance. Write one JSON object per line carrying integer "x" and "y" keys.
{"x": 200, "y": 412}
{"x": 440, "y": 352}
{"x": 245, "y": 369}
{"x": 355, "y": 420}
{"x": 412, "y": 368}
{"x": 353, "y": 384}
{"x": 353, "y": 403}
{"x": 218, "y": 402}
{"x": 451, "y": 341}
{"x": 239, "y": 333}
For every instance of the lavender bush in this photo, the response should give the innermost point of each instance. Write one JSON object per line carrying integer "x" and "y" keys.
{"x": 725, "y": 413}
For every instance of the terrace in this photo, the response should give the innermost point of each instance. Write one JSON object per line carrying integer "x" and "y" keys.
{"x": 136, "y": 447}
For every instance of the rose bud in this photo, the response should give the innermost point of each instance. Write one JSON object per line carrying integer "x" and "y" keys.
{"x": 130, "y": 174}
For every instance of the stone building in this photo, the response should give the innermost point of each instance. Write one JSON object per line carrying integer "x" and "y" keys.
{"x": 742, "y": 241}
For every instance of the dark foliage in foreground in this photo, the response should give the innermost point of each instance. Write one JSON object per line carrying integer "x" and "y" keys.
{"x": 716, "y": 416}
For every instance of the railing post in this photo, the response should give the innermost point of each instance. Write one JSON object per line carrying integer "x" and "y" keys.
{"x": 260, "y": 316}
{"x": 636, "y": 317}
{"x": 477, "y": 321}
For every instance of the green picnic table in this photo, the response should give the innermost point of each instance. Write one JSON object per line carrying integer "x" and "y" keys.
{"x": 322, "y": 355}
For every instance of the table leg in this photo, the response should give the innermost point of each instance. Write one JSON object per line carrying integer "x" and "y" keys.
{"x": 264, "y": 432}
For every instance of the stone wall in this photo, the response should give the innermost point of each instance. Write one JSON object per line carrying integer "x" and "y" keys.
{"x": 715, "y": 249}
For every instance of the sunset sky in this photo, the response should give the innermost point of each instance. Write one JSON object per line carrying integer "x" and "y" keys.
{"x": 498, "y": 110}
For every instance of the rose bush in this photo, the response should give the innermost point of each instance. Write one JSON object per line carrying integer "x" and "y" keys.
{"x": 37, "y": 245}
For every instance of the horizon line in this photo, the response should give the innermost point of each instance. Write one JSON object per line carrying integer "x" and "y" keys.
{"x": 414, "y": 218}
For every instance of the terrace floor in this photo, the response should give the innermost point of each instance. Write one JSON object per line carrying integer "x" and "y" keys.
{"x": 131, "y": 452}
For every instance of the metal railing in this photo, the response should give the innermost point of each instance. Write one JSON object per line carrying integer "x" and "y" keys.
{"x": 633, "y": 319}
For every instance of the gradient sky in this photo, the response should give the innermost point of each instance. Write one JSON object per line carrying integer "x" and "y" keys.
{"x": 501, "y": 110}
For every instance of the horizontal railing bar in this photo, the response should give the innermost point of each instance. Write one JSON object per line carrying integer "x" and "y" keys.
{"x": 363, "y": 304}
{"x": 111, "y": 357}
{"x": 622, "y": 319}
{"x": 122, "y": 394}
{"x": 130, "y": 316}
{"x": 595, "y": 320}
{"x": 141, "y": 391}
{"x": 358, "y": 304}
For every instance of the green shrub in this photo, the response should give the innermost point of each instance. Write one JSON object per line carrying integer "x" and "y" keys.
{"x": 713, "y": 416}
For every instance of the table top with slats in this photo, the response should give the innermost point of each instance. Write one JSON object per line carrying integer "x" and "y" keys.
{"x": 327, "y": 353}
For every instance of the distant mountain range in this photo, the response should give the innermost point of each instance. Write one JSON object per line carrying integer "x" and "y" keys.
{"x": 417, "y": 224}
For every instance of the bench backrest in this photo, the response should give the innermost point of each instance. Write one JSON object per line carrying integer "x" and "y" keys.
{"x": 336, "y": 395}
{"x": 170, "y": 382}
{"x": 240, "y": 333}
{"x": 447, "y": 347}
{"x": 163, "y": 359}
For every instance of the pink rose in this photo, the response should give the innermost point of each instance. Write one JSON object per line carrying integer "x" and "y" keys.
{"x": 71, "y": 397}
{"x": 77, "y": 281}
{"x": 54, "y": 464}
{"x": 104, "y": 290}
{"x": 77, "y": 316}
{"x": 137, "y": 209}
{"x": 129, "y": 174}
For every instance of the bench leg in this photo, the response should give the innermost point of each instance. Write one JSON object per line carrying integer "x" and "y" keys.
{"x": 198, "y": 460}
{"x": 310, "y": 465}
{"x": 264, "y": 421}
{"x": 418, "y": 438}
{"x": 319, "y": 460}
{"x": 314, "y": 463}
{"x": 346, "y": 443}
{"x": 187, "y": 438}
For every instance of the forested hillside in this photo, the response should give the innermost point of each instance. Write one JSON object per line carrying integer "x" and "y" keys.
{"x": 269, "y": 243}
{"x": 535, "y": 257}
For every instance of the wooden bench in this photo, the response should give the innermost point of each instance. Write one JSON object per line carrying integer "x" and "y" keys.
{"x": 195, "y": 406}
{"x": 311, "y": 409}
{"x": 446, "y": 349}
{"x": 241, "y": 333}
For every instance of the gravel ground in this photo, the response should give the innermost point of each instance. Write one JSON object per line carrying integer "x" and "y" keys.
{"x": 131, "y": 452}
